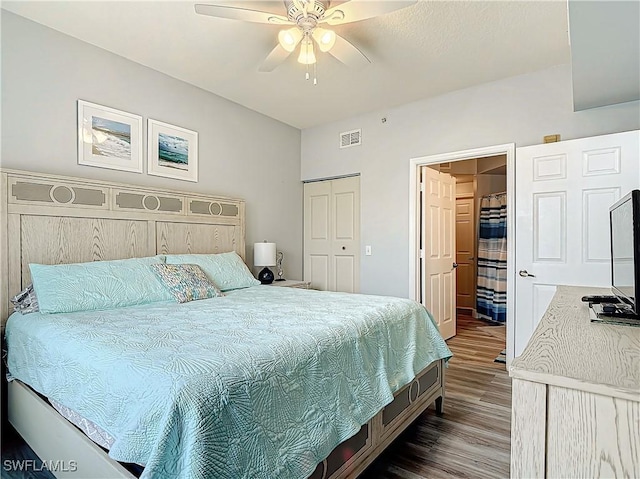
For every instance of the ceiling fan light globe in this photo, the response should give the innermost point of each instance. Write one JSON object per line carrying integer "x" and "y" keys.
{"x": 326, "y": 39}
{"x": 289, "y": 38}
{"x": 307, "y": 55}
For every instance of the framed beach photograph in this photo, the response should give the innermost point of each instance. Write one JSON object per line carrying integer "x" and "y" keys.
{"x": 172, "y": 151}
{"x": 109, "y": 138}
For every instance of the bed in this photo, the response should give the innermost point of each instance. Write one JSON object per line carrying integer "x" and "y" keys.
{"x": 87, "y": 220}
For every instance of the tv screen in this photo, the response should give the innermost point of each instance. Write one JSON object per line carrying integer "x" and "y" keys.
{"x": 624, "y": 218}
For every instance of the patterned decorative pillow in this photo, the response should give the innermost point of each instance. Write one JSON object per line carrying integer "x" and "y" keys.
{"x": 25, "y": 301}
{"x": 226, "y": 270}
{"x": 187, "y": 282}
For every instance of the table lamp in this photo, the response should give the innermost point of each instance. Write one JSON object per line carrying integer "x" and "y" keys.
{"x": 264, "y": 254}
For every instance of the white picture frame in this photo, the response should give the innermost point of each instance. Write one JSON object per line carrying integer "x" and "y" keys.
{"x": 172, "y": 151}
{"x": 109, "y": 138}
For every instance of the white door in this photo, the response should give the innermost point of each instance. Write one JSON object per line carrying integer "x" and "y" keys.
{"x": 317, "y": 233}
{"x": 465, "y": 253}
{"x": 438, "y": 245}
{"x": 563, "y": 193}
{"x": 345, "y": 241}
{"x": 332, "y": 234}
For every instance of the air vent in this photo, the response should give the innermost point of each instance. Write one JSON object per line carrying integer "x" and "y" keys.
{"x": 350, "y": 138}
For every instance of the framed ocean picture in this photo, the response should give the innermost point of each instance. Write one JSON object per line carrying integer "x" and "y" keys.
{"x": 109, "y": 138}
{"x": 172, "y": 151}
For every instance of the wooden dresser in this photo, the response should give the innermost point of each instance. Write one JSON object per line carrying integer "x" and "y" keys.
{"x": 576, "y": 395}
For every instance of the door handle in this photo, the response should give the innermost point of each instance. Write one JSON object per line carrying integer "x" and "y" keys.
{"x": 472, "y": 258}
{"x": 455, "y": 265}
{"x": 525, "y": 274}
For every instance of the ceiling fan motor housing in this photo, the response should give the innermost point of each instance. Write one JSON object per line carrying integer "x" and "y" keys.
{"x": 315, "y": 10}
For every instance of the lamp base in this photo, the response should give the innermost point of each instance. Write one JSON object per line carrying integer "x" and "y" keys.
{"x": 280, "y": 279}
{"x": 266, "y": 276}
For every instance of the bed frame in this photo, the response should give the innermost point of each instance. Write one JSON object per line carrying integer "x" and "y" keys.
{"x": 54, "y": 219}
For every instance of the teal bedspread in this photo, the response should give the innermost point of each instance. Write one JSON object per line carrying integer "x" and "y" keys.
{"x": 261, "y": 383}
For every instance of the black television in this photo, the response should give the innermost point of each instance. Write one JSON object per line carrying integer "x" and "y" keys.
{"x": 624, "y": 221}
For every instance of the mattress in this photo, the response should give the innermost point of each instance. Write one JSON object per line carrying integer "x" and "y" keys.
{"x": 94, "y": 432}
{"x": 263, "y": 382}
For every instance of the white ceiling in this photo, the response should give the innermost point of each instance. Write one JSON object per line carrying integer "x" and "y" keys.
{"x": 425, "y": 50}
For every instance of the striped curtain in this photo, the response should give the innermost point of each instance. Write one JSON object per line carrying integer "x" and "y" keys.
{"x": 491, "y": 302}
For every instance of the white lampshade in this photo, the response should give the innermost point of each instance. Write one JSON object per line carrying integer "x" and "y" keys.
{"x": 264, "y": 254}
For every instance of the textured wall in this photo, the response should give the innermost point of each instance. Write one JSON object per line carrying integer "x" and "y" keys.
{"x": 241, "y": 153}
{"x": 518, "y": 110}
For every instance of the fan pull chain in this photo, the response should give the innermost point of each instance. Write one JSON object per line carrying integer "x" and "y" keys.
{"x": 306, "y": 47}
{"x": 315, "y": 73}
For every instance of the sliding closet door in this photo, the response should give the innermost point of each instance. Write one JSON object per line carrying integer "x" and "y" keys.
{"x": 332, "y": 234}
{"x": 317, "y": 234}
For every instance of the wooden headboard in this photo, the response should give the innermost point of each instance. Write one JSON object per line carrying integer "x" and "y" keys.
{"x": 50, "y": 219}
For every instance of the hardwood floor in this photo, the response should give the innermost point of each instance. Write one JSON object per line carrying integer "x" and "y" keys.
{"x": 18, "y": 460}
{"x": 472, "y": 438}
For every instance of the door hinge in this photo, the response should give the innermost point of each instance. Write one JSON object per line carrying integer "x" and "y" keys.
{"x": 422, "y": 186}
{"x": 421, "y": 254}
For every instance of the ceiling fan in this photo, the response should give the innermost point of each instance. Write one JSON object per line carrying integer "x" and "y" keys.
{"x": 306, "y": 20}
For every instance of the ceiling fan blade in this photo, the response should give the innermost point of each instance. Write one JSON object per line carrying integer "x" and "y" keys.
{"x": 348, "y": 54}
{"x": 356, "y": 10}
{"x": 275, "y": 58}
{"x": 244, "y": 14}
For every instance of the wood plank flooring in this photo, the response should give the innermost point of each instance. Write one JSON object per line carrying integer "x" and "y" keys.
{"x": 472, "y": 438}
{"x": 18, "y": 460}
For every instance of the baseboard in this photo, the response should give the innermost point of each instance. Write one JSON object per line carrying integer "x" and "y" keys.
{"x": 470, "y": 311}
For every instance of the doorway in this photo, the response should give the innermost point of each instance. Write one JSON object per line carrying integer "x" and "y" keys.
{"x": 480, "y": 183}
{"x": 460, "y": 163}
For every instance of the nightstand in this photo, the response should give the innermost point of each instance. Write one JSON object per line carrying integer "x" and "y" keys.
{"x": 292, "y": 283}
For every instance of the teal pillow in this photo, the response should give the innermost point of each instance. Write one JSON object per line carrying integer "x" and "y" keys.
{"x": 65, "y": 288}
{"x": 186, "y": 282}
{"x": 226, "y": 270}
